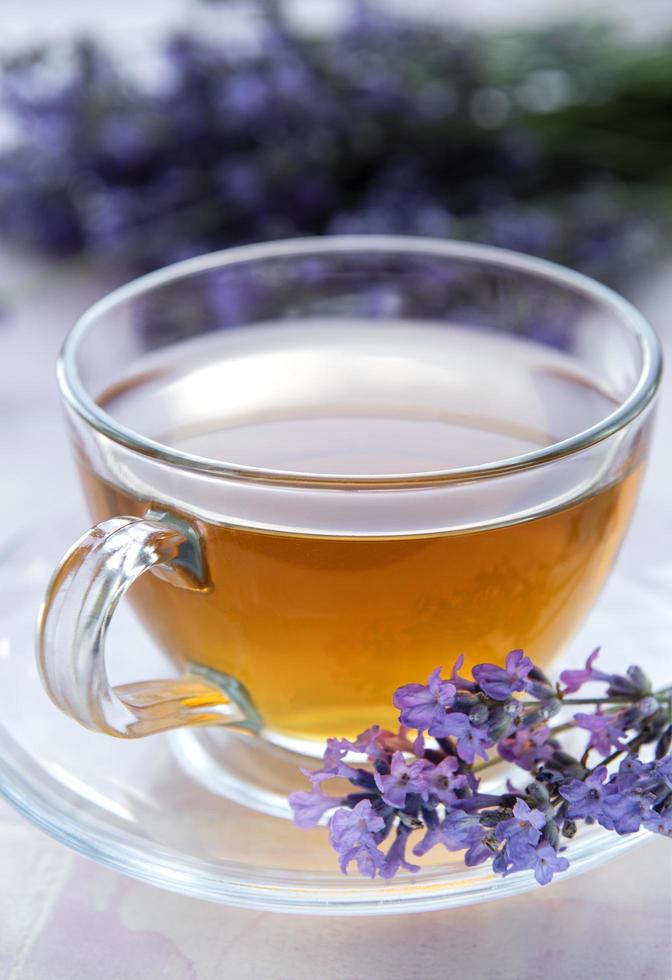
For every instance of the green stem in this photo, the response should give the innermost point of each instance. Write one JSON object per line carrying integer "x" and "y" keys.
{"x": 663, "y": 694}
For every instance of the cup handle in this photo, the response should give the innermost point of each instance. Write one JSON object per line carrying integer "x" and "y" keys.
{"x": 80, "y": 600}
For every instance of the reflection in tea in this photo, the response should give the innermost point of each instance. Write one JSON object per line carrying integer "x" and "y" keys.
{"x": 322, "y": 627}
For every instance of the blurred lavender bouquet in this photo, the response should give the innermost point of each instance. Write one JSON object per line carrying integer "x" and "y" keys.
{"x": 553, "y": 142}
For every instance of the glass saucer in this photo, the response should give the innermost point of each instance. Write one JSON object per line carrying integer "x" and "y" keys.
{"x": 154, "y": 811}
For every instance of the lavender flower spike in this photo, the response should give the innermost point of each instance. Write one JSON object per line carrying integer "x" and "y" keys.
{"x": 499, "y": 683}
{"x": 433, "y": 783}
{"x": 424, "y": 705}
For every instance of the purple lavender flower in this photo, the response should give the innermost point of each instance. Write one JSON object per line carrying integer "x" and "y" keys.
{"x": 659, "y": 822}
{"x": 622, "y": 811}
{"x": 396, "y": 857}
{"x": 575, "y": 679}
{"x": 443, "y": 780}
{"x": 663, "y": 769}
{"x": 422, "y": 706}
{"x": 525, "y": 825}
{"x": 471, "y": 741}
{"x": 370, "y": 742}
{"x": 351, "y": 834}
{"x": 634, "y": 684}
{"x": 432, "y": 837}
{"x": 477, "y": 853}
{"x": 546, "y": 863}
{"x": 335, "y": 752}
{"x": 585, "y": 795}
{"x": 403, "y": 779}
{"x": 309, "y": 807}
{"x": 520, "y": 855}
{"x": 499, "y": 683}
{"x": 460, "y": 830}
{"x": 605, "y": 730}
{"x": 461, "y": 683}
{"x": 527, "y": 748}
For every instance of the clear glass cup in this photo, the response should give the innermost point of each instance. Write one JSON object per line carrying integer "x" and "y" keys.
{"x": 340, "y": 462}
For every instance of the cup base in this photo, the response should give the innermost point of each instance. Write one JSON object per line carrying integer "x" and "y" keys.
{"x": 251, "y": 771}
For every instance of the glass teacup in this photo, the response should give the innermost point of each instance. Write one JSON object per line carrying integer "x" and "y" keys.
{"x": 341, "y": 463}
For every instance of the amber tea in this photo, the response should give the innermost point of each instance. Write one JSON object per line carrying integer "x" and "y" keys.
{"x": 322, "y": 625}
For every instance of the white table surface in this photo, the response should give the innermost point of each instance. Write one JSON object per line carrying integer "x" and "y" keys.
{"x": 62, "y": 917}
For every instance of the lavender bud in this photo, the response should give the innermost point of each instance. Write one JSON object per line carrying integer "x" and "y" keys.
{"x": 537, "y": 674}
{"x": 540, "y": 691}
{"x": 537, "y": 796}
{"x": 364, "y": 779}
{"x": 544, "y": 712}
{"x": 490, "y": 818}
{"x": 511, "y": 707}
{"x": 552, "y": 833}
{"x": 569, "y": 828}
{"x": 631, "y": 717}
{"x": 648, "y": 706}
{"x": 499, "y": 724}
{"x": 478, "y": 714}
{"x": 566, "y": 765}
{"x": 635, "y": 684}
{"x": 639, "y": 679}
{"x": 652, "y": 726}
{"x": 464, "y": 702}
{"x": 352, "y": 799}
{"x": 664, "y": 743}
{"x": 430, "y": 816}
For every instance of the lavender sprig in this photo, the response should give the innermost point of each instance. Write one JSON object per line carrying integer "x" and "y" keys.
{"x": 433, "y": 785}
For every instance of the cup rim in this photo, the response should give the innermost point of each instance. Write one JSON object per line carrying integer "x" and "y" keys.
{"x": 77, "y": 398}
